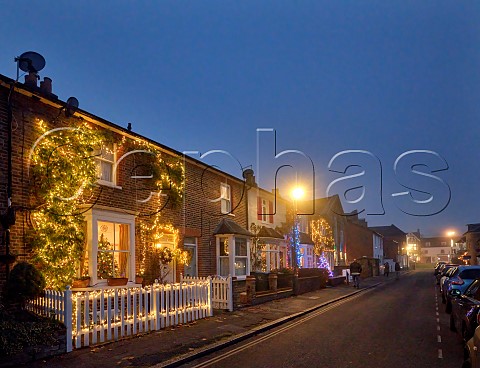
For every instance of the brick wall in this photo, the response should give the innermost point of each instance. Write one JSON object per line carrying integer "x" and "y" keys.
{"x": 360, "y": 241}
{"x": 198, "y": 216}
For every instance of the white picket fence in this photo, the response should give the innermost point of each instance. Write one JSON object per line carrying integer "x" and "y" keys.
{"x": 222, "y": 290}
{"x": 97, "y": 316}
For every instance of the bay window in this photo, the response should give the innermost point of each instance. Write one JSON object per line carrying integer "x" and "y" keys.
{"x": 233, "y": 255}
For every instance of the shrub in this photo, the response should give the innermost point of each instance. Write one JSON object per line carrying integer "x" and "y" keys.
{"x": 25, "y": 283}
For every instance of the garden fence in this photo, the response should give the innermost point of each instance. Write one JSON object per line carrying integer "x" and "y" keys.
{"x": 102, "y": 315}
{"x": 222, "y": 290}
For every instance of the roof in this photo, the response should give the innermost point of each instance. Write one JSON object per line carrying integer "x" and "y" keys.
{"x": 267, "y": 232}
{"x": 323, "y": 206}
{"x": 53, "y": 99}
{"x": 227, "y": 226}
{"x": 388, "y": 231}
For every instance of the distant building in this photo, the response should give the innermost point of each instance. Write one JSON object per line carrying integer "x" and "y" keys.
{"x": 394, "y": 241}
{"x": 436, "y": 249}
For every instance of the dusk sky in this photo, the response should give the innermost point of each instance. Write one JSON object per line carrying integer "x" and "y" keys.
{"x": 385, "y": 77}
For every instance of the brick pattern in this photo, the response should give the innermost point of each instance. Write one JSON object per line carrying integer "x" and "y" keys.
{"x": 198, "y": 216}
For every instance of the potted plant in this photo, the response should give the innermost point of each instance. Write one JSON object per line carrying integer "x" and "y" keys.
{"x": 81, "y": 282}
{"x": 139, "y": 279}
{"x": 117, "y": 281}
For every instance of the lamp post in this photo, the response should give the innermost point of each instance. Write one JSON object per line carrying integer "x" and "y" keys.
{"x": 297, "y": 194}
{"x": 451, "y": 234}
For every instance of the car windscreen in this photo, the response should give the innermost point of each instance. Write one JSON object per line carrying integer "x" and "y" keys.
{"x": 470, "y": 274}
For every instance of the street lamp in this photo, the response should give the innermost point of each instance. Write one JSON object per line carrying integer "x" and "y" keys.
{"x": 297, "y": 194}
{"x": 451, "y": 234}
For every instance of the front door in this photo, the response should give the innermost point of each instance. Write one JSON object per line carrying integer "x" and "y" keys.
{"x": 190, "y": 246}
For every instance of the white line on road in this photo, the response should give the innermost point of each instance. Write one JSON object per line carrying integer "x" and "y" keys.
{"x": 437, "y": 313}
{"x": 439, "y": 338}
{"x": 440, "y": 354}
{"x": 438, "y": 328}
{"x": 438, "y": 320}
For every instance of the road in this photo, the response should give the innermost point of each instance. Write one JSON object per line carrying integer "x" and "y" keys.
{"x": 393, "y": 325}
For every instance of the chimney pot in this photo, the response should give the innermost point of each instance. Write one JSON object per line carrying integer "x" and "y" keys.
{"x": 46, "y": 85}
{"x": 31, "y": 79}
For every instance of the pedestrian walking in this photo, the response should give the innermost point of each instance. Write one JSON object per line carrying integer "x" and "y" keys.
{"x": 355, "y": 271}
{"x": 386, "y": 269}
{"x": 397, "y": 270}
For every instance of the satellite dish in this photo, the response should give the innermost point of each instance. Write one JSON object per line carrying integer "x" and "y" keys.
{"x": 31, "y": 62}
{"x": 72, "y": 106}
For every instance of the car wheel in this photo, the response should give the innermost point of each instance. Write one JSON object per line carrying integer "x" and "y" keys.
{"x": 452, "y": 324}
{"x": 448, "y": 307}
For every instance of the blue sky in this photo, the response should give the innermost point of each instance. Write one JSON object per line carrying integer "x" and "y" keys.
{"x": 328, "y": 76}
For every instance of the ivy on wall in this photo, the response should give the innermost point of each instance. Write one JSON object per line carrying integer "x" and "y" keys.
{"x": 63, "y": 176}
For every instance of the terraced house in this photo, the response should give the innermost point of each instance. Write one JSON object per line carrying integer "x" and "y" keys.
{"x": 86, "y": 199}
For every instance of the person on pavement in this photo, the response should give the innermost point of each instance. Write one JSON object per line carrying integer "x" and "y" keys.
{"x": 386, "y": 270}
{"x": 355, "y": 271}
{"x": 397, "y": 270}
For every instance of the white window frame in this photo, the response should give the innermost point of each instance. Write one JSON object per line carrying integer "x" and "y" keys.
{"x": 99, "y": 159}
{"x": 92, "y": 217}
{"x": 225, "y": 198}
{"x": 232, "y": 256}
{"x": 265, "y": 210}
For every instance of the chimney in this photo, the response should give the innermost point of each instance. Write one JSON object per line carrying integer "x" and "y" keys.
{"x": 46, "y": 86}
{"x": 249, "y": 177}
{"x": 31, "y": 79}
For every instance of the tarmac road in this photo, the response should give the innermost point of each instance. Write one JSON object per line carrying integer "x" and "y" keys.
{"x": 394, "y": 325}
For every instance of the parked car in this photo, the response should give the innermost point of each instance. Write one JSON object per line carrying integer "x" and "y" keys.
{"x": 472, "y": 348}
{"x": 444, "y": 279}
{"x": 443, "y": 270}
{"x": 437, "y": 267}
{"x": 458, "y": 283}
{"x": 464, "y": 318}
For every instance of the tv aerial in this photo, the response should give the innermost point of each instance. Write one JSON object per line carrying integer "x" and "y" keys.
{"x": 31, "y": 62}
{"x": 71, "y": 107}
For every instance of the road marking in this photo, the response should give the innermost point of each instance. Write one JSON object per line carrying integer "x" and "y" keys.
{"x": 439, "y": 338}
{"x": 438, "y": 328}
{"x": 279, "y": 330}
{"x": 440, "y": 354}
{"x": 437, "y": 313}
{"x": 438, "y": 320}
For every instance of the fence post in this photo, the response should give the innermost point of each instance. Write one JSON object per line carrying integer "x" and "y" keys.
{"x": 230, "y": 293}
{"x": 209, "y": 296}
{"x": 67, "y": 317}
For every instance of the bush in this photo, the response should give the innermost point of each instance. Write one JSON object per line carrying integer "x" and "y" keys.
{"x": 19, "y": 336}
{"x": 24, "y": 283}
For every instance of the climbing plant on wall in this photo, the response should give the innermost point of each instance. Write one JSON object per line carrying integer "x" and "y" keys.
{"x": 322, "y": 235}
{"x": 63, "y": 178}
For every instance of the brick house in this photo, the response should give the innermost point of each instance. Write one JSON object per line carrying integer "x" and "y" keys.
{"x": 363, "y": 241}
{"x": 327, "y": 215}
{"x": 267, "y": 218}
{"x": 394, "y": 241}
{"x": 125, "y": 215}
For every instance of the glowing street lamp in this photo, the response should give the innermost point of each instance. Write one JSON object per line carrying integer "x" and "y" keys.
{"x": 451, "y": 234}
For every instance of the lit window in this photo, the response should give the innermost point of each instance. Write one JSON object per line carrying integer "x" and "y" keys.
{"x": 105, "y": 159}
{"x": 225, "y": 198}
{"x": 113, "y": 249}
{"x": 111, "y": 245}
{"x": 240, "y": 256}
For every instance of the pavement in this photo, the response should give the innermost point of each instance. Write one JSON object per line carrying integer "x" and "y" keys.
{"x": 177, "y": 345}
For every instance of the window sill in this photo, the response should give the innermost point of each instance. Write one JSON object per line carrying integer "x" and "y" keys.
{"x": 108, "y": 184}
{"x": 104, "y": 286}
